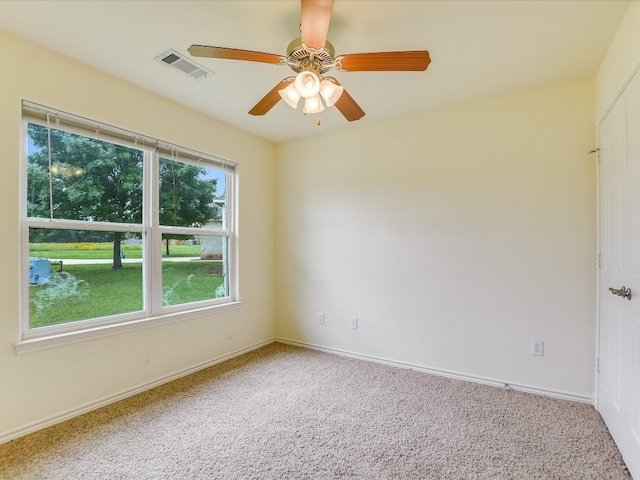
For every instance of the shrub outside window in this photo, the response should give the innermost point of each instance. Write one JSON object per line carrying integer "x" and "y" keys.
{"x": 119, "y": 228}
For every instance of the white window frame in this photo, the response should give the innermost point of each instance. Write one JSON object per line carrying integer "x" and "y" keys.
{"x": 153, "y": 311}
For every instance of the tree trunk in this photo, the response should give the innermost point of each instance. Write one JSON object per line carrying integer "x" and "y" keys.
{"x": 167, "y": 248}
{"x": 117, "y": 253}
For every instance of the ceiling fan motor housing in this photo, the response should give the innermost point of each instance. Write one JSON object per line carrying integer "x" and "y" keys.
{"x": 300, "y": 56}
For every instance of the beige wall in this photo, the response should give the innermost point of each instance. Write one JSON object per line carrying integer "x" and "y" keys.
{"x": 41, "y": 385}
{"x": 455, "y": 236}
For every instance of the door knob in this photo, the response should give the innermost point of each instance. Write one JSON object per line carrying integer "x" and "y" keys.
{"x": 622, "y": 292}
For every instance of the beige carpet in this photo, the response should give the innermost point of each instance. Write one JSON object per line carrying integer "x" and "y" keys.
{"x": 282, "y": 412}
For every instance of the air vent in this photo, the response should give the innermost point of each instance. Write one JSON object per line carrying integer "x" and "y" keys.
{"x": 188, "y": 67}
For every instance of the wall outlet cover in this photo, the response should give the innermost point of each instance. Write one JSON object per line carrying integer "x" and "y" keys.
{"x": 537, "y": 348}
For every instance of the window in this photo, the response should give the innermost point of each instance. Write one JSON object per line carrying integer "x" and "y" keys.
{"x": 119, "y": 228}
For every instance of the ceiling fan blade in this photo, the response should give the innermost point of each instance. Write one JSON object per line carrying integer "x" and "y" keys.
{"x": 234, "y": 54}
{"x": 314, "y": 22}
{"x": 270, "y": 99}
{"x": 348, "y": 106}
{"x": 414, "y": 61}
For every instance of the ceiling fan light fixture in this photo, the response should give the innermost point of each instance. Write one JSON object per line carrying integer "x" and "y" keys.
{"x": 311, "y": 56}
{"x": 313, "y": 105}
{"x": 330, "y": 92}
{"x": 307, "y": 83}
{"x": 290, "y": 95}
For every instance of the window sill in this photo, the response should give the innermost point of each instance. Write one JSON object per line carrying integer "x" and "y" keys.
{"x": 67, "y": 338}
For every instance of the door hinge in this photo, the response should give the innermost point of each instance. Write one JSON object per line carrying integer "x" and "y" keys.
{"x": 598, "y": 260}
{"x": 598, "y": 365}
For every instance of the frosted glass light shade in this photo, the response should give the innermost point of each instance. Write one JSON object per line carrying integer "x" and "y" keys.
{"x": 307, "y": 83}
{"x": 330, "y": 92}
{"x": 313, "y": 105}
{"x": 290, "y": 95}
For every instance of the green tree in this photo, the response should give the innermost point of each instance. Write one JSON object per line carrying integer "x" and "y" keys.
{"x": 94, "y": 180}
{"x": 185, "y": 197}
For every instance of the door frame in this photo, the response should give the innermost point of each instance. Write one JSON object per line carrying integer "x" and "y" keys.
{"x": 596, "y": 151}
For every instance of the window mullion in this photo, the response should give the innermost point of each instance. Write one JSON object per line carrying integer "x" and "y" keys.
{"x": 232, "y": 246}
{"x": 193, "y": 231}
{"x": 83, "y": 225}
{"x": 153, "y": 277}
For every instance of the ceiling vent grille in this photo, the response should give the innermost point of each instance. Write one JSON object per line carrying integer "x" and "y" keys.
{"x": 188, "y": 67}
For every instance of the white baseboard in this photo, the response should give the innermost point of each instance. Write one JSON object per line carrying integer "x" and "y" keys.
{"x": 444, "y": 373}
{"x": 47, "y": 422}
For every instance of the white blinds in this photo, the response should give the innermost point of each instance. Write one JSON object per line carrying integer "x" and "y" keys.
{"x": 46, "y": 116}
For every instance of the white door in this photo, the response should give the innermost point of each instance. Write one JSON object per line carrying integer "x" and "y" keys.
{"x": 619, "y": 335}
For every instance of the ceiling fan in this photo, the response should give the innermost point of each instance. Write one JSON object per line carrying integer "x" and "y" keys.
{"x": 311, "y": 56}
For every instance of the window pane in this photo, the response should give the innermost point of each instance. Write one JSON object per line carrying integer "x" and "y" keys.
{"x": 81, "y": 274}
{"x": 193, "y": 269}
{"x": 85, "y": 179}
{"x": 191, "y": 196}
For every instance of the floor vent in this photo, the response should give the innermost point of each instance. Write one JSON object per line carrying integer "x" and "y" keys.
{"x": 188, "y": 67}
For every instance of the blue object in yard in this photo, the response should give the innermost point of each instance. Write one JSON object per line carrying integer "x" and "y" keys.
{"x": 39, "y": 271}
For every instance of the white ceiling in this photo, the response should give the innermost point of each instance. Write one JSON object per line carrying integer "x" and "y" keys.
{"x": 478, "y": 49}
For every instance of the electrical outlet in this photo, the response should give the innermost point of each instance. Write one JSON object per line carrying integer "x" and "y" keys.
{"x": 321, "y": 318}
{"x": 537, "y": 348}
{"x": 354, "y": 323}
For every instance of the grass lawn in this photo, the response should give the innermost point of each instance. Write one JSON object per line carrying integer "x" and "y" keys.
{"x": 80, "y": 292}
{"x": 89, "y": 250}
